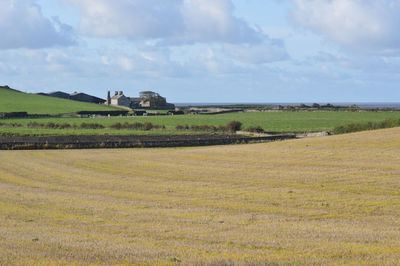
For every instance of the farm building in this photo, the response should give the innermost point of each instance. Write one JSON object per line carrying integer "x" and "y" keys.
{"x": 135, "y": 102}
{"x": 83, "y": 97}
{"x": 58, "y": 94}
{"x": 119, "y": 99}
{"x": 147, "y": 100}
{"x": 76, "y": 96}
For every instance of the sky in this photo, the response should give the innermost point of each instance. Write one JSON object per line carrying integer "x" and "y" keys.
{"x": 205, "y": 51}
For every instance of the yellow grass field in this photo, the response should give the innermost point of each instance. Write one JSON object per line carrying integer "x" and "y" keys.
{"x": 329, "y": 200}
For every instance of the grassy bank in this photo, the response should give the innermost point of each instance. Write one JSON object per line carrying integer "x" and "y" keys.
{"x": 14, "y": 101}
{"x": 312, "y": 201}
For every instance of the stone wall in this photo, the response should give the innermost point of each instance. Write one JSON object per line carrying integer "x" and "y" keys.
{"x": 134, "y": 141}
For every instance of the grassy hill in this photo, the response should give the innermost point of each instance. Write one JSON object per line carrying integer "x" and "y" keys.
{"x": 319, "y": 201}
{"x": 16, "y": 101}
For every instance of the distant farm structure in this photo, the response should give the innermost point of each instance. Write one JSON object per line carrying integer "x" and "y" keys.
{"x": 146, "y": 100}
{"x": 76, "y": 96}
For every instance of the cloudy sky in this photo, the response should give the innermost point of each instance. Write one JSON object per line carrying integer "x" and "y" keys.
{"x": 205, "y": 50}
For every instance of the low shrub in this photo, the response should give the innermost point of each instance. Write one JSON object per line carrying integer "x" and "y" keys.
{"x": 136, "y": 126}
{"x": 180, "y": 127}
{"x": 203, "y": 128}
{"x": 221, "y": 128}
{"x": 116, "y": 126}
{"x": 159, "y": 127}
{"x": 34, "y": 125}
{"x": 148, "y": 126}
{"x": 256, "y": 129}
{"x": 49, "y": 125}
{"x": 10, "y": 125}
{"x": 64, "y": 126}
{"x": 91, "y": 126}
{"x": 231, "y": 127}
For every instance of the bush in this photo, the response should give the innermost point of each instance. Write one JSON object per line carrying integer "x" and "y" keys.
{"x": 10, "y": 125}
{"x": 197, "y": 128}
{"x": 180, "y": 127}
{"x": 91, "y": 126}
{"x": 34, "y": 125}
{"x": 256, "y": 129}
{"x": 147, "y": 126}
{"x": 64, "y": 126}
{"x": 50, "y": 125}
{"x": 203, "y": 128}
{"x": 221, "y": 128}
{"x": 233, "y": 126}
{"x": 158, "y": 127}
{"x": 136, "y": 126}
{"x": 116, "y": 126}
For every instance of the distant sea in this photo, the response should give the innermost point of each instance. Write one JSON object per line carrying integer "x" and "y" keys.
{"x": 362, "y": 105}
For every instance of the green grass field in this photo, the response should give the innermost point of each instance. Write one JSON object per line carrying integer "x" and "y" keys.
{"x": 278, "y": 122}
{"x": 13, "y": 101}
{"x": 318, "y": 201}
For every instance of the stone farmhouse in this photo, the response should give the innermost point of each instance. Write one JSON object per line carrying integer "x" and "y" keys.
{"x": 147, "y": 100}
{"x": 119, "y": 99}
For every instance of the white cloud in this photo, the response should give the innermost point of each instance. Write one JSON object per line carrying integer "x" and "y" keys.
{"x": 22, "y": 25}
{"x": 125, "y": 63}
{"x": 268, "y": 52}
{"x": 173, "y": 21}
{"x": 367, "y": 25}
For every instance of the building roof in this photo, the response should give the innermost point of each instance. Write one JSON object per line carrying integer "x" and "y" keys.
{"x": 79, "y": 96}
{"x": 79, "y": 93}
{"x": 117, "y": 96}
{"x": 58, "y": 92}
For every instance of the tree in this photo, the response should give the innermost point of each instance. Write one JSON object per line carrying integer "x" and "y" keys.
{"x": 234, "y": 126}
{"x": 148, "y": 94}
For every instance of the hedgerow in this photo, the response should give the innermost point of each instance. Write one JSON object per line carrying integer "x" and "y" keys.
{"x": 355, "y": 127}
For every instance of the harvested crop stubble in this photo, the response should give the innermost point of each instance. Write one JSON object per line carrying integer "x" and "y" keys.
{"x": 328, "y": 200}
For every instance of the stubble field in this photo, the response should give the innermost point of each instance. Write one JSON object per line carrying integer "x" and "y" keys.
{"x": 329, "y": 200}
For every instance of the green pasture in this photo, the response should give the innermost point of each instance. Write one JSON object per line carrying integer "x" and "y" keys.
{"x": 14, "y": 101}
{"x": 274, "y": 122}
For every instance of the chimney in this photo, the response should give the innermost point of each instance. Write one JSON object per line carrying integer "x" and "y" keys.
{"x": 120, "y": 93}
{"x": 108, "y": 98}
{"x": 116, "y": 93}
